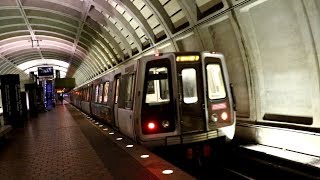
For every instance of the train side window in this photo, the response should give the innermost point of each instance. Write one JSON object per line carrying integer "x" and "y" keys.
{"x": 106, "y": 90}
{"x": 88, "y": 94}
{"x": 100, "y": 93}
{"x": 117, "y": 91}
{"x": 158, "y": 85}
{"x": 82, "y": 95}
{"x": 129, "y": 91}
{"x": 216, "y": 89}
{"x": 189, "y": 85}
{"x": 96, "y": 94}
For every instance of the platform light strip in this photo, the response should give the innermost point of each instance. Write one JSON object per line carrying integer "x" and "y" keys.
{"x": 144, "y": 156}
{"x": 167, "y": 171}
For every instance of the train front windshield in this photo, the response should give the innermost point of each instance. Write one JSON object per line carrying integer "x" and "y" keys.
{"x": 158, "y": 86}
{"x": 216, "y": 89}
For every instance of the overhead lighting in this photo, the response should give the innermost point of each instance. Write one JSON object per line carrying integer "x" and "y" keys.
{"x": 129, "y": 146}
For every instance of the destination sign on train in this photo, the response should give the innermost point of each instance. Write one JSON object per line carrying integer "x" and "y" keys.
{"x": 187, "y": 58}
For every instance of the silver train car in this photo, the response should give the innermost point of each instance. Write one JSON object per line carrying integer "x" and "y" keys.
{"x": 164, "y": 99}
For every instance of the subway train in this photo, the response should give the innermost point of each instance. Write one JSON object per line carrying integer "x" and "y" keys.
{"x": 164, "y": 99}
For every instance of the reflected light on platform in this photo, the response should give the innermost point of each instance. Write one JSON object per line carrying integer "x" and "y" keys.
{"x": 291, "y": 140}
{"x": 168, "y": 171}
{"x": 286, "y": 154}
{"x": 144, "y": 156}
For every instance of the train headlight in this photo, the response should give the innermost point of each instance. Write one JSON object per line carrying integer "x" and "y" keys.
{"x": 224, "y": 116}
{"x": 165, "y": 123}
{"x": 214, "y": 117}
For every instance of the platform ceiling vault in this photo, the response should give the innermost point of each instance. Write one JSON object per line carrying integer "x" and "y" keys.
{"x": 83, "y": 38}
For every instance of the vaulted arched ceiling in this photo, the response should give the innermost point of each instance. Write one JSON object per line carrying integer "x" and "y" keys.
{"x": 90, "y": 35}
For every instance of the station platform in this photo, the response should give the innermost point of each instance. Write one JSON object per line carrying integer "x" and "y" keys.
{"x": 66, "y": 144}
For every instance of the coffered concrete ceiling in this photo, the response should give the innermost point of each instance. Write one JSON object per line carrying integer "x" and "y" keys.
{"x": 83, "y": 38}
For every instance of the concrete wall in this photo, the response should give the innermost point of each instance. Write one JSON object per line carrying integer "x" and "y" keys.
{"x": 281, "y": 50}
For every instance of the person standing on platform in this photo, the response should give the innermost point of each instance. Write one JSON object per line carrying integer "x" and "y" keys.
{"x": 61, "y": 98}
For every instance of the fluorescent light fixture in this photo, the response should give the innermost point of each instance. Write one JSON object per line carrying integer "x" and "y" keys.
{"x": 119, "y": 139}
{"x": 129, "y": 146}
{"x": 32, "y": 66}
{"x": 41, "y": 62}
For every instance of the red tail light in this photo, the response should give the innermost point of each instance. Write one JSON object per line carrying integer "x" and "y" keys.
{"x": 224, "y": 116}
{"x": 151, "y": 125}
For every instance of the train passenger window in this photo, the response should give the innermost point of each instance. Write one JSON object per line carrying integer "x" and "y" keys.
{"x": 96, "y": 94}
{"x": 106, "y": 90}
{"x": 117, "y": 91}
{"x": 100, "y": 93}
{"x": 158, "y": 85}
{"x": 216, "y": 89}
{"x": 129, "y": 91}
{"x": 88, "y": 94}
{"x": 189, "y": 85}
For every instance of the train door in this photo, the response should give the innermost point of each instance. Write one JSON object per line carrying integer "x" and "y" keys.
{"x": 116, "y": 96}
{"x": 190, "y": 87}
{"x": 218, "y": 102}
